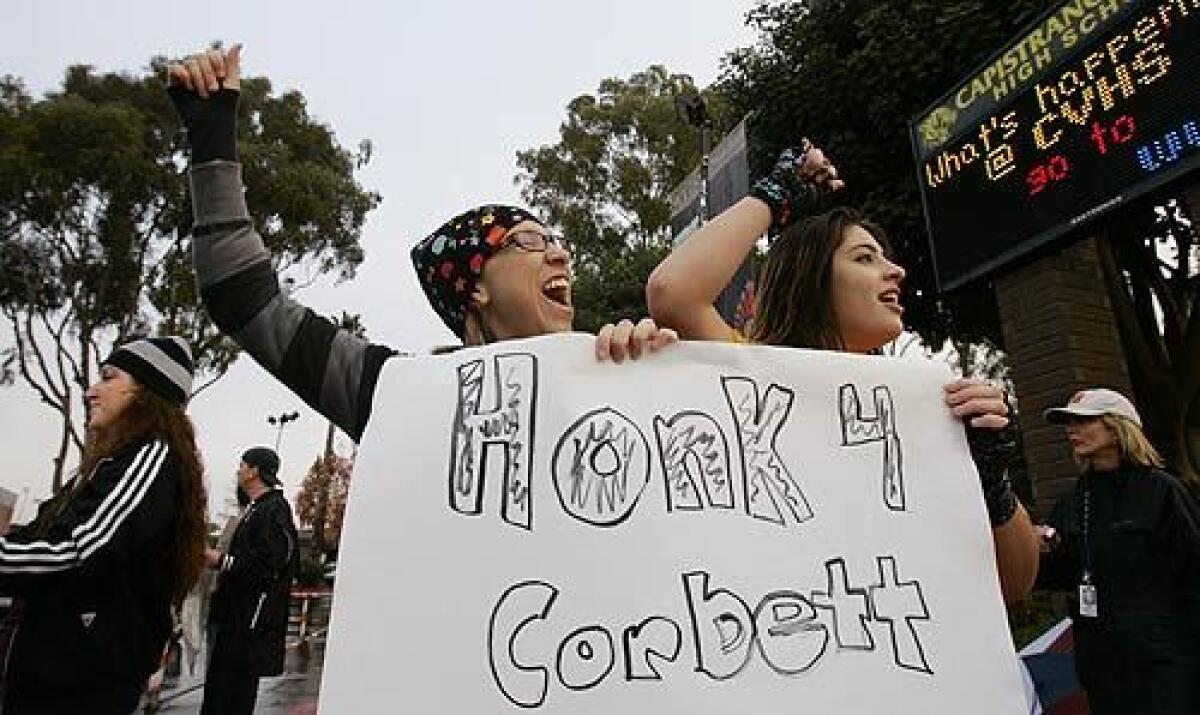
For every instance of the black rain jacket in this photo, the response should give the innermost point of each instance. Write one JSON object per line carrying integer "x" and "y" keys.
{"x": 250, "y": 605}
{"x": 94, "y": 589}
{"x": 1142, "y": 653}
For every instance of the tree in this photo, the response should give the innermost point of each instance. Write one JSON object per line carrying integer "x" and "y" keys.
{"x": 850, "y": 74}
{"x": 321, "y": 503}
{"x": 604, "y": 183}
{"x": 1151, "y": 263}
{"x": 96, "y": 217}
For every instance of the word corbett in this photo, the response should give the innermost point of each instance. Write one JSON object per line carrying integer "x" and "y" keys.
{"x": 787, "y": 630}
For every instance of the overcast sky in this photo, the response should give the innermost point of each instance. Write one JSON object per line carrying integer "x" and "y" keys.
{"x": 447, "y": 92}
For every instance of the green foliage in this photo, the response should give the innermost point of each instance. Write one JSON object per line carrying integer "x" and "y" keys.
{"x": 850, "y": 74}
{"x": 616, "y": 288}
{"x": 95, "y": 216}
{"x": 300, "y": 182}
{"x": 605, "y": 184}
{"x": 321, "y": 501}
{"x": 1035, "y": 614}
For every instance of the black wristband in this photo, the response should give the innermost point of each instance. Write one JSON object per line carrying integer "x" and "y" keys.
{"x": 211, "y": 123}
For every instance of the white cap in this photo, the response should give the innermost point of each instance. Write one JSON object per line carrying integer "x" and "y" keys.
{"x": 1094, "y": 403}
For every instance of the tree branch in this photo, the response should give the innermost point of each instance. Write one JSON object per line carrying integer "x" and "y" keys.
{"x": 23, "y": 364}
{"x": 205, "y": 385}
{"x": 57, "y": 334}
{"x": 1140, "y": 279}
{"x": 59, "y": 352}
{"x": 61, "y": 358}
{"x": 40, "y": 359}
{"x": 1160, "y": 288}
{"x": 1141, "y": 353}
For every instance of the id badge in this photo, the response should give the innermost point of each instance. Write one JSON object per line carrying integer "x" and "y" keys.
{"x": 1088, "y": 607}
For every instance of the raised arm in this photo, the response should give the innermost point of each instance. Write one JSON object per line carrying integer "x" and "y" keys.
{"x": 330, "y": 368}
{"x": 682, "y": 289}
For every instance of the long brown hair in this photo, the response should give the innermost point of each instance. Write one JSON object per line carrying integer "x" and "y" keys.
{"x": 151, "y": 417}
{"x": 794, "y": 306}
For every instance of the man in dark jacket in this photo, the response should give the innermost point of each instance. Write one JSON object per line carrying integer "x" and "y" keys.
{"x": 248, "y": 616}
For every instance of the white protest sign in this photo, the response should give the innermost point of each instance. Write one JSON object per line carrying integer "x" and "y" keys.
{"x": 712, "y": 529}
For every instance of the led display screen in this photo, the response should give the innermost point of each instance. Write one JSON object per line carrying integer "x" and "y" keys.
{"x": 1097, "y": 103}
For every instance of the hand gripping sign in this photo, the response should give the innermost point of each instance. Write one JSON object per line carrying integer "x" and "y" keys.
{"x": 712, "y": 529}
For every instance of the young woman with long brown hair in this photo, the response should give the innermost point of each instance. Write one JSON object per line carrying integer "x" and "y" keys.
{"x": 829, "y": 282}
{"x": 97, "y": 573}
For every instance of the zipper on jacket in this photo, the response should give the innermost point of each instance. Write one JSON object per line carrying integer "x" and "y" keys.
{"x": 258, "y": 610}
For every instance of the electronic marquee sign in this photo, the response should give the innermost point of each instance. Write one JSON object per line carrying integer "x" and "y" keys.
{"x": 1095, "y": 104}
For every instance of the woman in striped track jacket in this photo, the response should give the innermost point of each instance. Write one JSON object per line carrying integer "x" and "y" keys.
{"x": 96, "y": 574}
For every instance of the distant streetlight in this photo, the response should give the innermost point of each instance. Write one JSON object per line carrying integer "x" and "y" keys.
{"x": 282, "y": 420}
{"x": 692, "y": 108}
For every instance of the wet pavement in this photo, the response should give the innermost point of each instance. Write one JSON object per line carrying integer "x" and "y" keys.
{"x": 293, "y": 693}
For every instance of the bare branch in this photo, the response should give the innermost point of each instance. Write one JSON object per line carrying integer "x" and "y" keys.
{"x": 40, "y": 359}
{"x": 59, "y": 339}
{"x": 63, "y": 248}
{"x": 1143, "y": 305}
{"x": 59, "y": 362}
{"x": 1172, "y": 329}
{"x": 92, "y": 354}
{"x": 23, "y": 365}
{"x": 1141, "y": 352}
{"x": 209, "y": 383}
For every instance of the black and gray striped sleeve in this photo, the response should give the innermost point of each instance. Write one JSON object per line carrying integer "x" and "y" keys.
{"x": 100, "y": 524}
{"x": 330, "y": 368}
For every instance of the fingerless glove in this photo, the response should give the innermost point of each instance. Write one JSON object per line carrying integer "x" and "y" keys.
{"x": 211, "y": 123}
{"x": 786, "y": 191}
{"x": 993, "y": 450}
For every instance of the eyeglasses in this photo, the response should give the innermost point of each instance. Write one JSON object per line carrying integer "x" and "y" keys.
{"x": 533, "y": 241}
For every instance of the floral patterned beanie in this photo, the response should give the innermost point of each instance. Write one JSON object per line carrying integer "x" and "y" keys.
{"x": 450, "y": 260}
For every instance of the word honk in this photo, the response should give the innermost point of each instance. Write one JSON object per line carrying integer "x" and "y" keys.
{"x": 602, "y": 463}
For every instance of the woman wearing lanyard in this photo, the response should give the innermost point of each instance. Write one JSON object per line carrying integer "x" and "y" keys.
{"x": 1127, "y": 544}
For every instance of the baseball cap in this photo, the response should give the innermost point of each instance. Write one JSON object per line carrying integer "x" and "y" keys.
{"x": 267, "y": 462}
{"x": 1095, "y": 403}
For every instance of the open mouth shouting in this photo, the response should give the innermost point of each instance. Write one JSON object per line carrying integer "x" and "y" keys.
{"x": 557, "y": 290}
{"x": 891, "y": 299}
